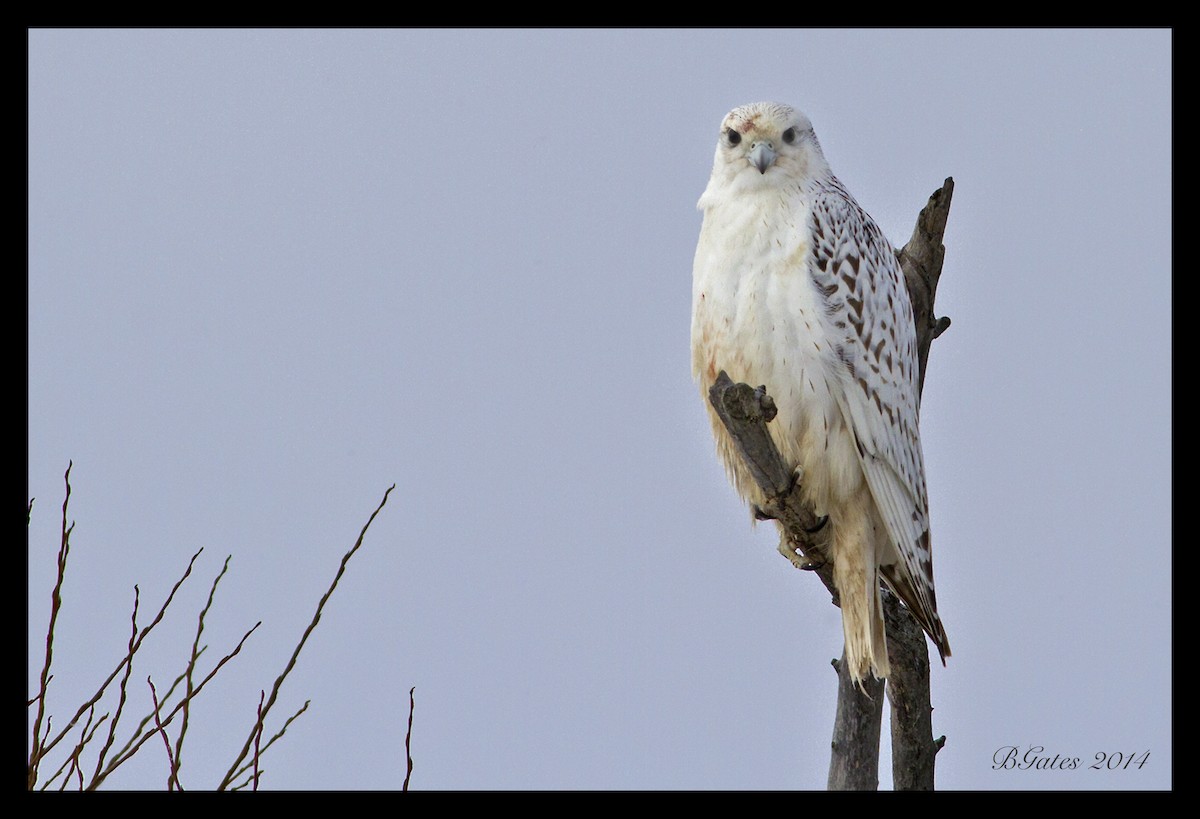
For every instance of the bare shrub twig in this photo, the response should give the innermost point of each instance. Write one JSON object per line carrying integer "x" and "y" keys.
{"x": 231, "y": 773}
{"x": 408, "y": 736}
{"x": 109, "y": 757}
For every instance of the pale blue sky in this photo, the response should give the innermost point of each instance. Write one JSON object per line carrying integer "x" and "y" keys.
{"x": 274, "y": 272}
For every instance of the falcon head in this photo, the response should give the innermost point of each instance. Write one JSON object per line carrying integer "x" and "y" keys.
{"x": 762, "y": 146}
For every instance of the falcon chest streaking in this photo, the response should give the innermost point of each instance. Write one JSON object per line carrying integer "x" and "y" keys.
{"x": 796, "y": 288}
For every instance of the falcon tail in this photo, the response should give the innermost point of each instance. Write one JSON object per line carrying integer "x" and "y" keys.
{"x": 856, "y": 575}
{"x": 925, "y": 613}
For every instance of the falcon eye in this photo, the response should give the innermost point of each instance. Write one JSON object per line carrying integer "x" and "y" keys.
{"x": 789, "y": 136}
{"x": 733, "y": 136}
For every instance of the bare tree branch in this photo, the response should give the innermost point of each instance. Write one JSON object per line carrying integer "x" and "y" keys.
{"x": 921, "y": 259}
{"x": 913, "y": 746}
{"x": 854, "y": 750}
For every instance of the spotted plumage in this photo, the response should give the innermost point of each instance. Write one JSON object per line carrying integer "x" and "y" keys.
{"x": 796, "y": 288}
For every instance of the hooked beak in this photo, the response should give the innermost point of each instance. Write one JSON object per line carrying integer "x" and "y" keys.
{"x": 762, "y": 156}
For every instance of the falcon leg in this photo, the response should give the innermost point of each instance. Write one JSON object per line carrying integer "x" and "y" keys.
{"x": 797, "y": 477}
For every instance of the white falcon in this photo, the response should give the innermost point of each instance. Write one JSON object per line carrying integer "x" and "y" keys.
{"x": 796, "y": 288}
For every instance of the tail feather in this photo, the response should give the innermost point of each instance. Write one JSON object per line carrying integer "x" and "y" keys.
{"x": 856, "y": 575}
{"x": 926, "y": 615}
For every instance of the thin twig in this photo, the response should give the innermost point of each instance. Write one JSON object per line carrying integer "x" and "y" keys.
{"x": 39, "y": 749}
{"x": 73, "y": 760}
{"x": 229, "y": 775}
{"x": 408, "y": 736}
{"x": 123, "y": 686}
{"x": 38, "y": 696}
{"x": 128, "y": 658}
{"x": 258, "y": 736}
{"x": 191, "y": 666}
{"x": 77, "y": 752}
{"x": 278, "y": 734}
{"x": 173, "y": 774}
{"x": 135, "y": 747}
{"x": 137, "y": 732}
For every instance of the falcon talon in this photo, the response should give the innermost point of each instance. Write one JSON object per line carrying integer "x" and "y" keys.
{"x": 760, "y": 513}
{"x": 812, "y": 564}
{"x": 819, "y": 525}
{"x": 791, "y": 553}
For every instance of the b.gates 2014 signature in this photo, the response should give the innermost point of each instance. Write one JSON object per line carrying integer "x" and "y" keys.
{"x": 1010, "y": 757}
